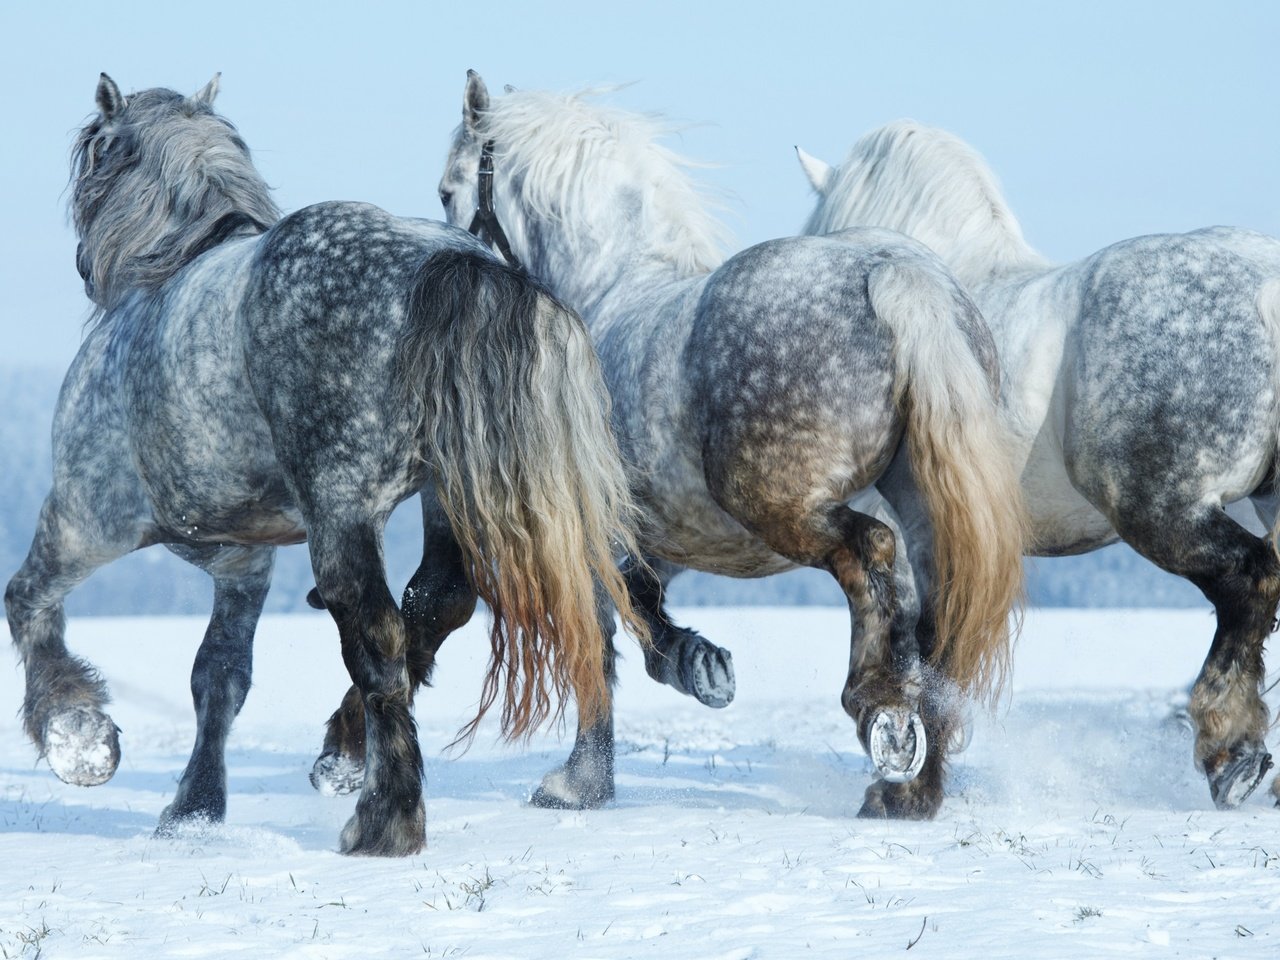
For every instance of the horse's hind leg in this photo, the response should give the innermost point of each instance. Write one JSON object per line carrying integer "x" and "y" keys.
{"x": 1267, "y": 505}
{"x": 220, "y": 676}
{"x": 1240, "y": 575}
{"x": 861, "y": 553}
{"x": 677, "y": 656}
{"x": 585, "y": 780}
{"x": 64, "y": 707}
{"x": 884, "y": 692}
{"x": 390, "y": 818}
{"x": 938, "y": 724}
{"x": 438, "y": 599}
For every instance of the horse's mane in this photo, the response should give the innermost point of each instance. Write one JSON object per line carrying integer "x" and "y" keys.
{"x": 929, "y": 185}
{"x": 567, "y": 153}
{"x": 155, "y": 186}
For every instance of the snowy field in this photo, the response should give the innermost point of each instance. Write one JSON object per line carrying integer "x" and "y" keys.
{"x": 1074, "y": 825}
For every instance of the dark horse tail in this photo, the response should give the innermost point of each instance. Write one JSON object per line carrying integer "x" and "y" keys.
{"x": 515, "y": 429}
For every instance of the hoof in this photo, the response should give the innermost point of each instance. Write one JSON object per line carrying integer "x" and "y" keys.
{"x": 370, "y": 834}
{"x": 175, "y": 825}
{"x": 900, "y": 801}
{"x": 336, "y": 775}
{"x": 559, "y": 791}
{"x": 706, "y": 671}
{"x": 897, "y": 744}
{"x": 1232, "y": 782}
{"x": 82, "y": 746}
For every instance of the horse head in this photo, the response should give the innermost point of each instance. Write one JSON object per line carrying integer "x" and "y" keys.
{"x": 156, "y": 179}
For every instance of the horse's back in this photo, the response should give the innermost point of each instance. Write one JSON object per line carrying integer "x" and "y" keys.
{"x": 795, "y": 327}
{"x": 324, "y": 318}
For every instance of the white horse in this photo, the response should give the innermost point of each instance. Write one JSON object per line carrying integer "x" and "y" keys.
{"x": 1143, "y": 387}
{"x": 753, "y": 401}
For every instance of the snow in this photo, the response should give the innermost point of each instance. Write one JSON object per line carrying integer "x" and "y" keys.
{"x": 1074, "y": 825}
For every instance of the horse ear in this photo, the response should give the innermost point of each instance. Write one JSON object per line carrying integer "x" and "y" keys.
{"x": 205, "y": 95}
{"x": 109, "y": 98}
{"x": 818, "y": 171}
{"x": 474, "y": 102}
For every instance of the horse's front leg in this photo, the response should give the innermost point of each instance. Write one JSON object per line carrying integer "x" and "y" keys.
{"x": 64, "y": 710}
{"x": 220, "y": 676}
{"x": 679, "y": 657}
{"x": 437, "y": 601}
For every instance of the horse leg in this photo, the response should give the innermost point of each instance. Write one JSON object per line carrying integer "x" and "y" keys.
{"x": 1240, "y": 575}
{"x": 901, "y": 731}
{"x": 883, "y": 688}
{"x": 1267, "y": 505}
{"x": 346, "y": 557}
{"x": 220, "y": 676}
{"x": 438, "y": 599}
{"x": 678, "y": 656}
{"x": 883, "y": 691}
{"x": 63, "y": 710}
{"x": 585, "y": 780}
{"x": 936, "y": 724}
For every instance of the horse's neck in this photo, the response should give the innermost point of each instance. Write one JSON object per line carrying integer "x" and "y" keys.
{"x": 606, "y": 283}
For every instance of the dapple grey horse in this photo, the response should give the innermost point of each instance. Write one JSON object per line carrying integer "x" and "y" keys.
{"x": 1142, "y": 385}
{"x": 753, "y": 401}
{"x": 249, "y": 381}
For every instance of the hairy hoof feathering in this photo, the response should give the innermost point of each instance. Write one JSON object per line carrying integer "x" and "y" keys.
{"x": 897, "y": 744}
{"x": 336, "y": 774}
{"x": 82, "y": 746}
{"x": 573, "y": 787}
{"x": 901, "y": 801}
{"x": 379, "y": 829}
{"x": 1237, "y": 773}
{"x": 174, "y": 824}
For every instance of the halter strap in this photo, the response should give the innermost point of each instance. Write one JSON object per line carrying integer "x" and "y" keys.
{"x": 485, "y": 223}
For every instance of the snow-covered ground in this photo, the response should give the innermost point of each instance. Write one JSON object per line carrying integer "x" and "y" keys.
{"x": 1074, "y": 825}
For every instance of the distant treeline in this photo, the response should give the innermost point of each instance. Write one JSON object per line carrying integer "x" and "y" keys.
{"x": 154, "y": 581}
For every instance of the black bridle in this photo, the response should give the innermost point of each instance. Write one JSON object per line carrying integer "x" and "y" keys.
{"x": 485, "y": 223}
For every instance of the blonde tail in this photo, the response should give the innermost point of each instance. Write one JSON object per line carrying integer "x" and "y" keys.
{"x": 962, "y": 460}
{"x": 515, "y": 421}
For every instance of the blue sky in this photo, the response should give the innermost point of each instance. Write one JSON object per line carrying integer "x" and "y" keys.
{"x": 1102, "y": 120}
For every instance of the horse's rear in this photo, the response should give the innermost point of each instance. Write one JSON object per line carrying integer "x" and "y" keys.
{"x": 822, "y": 367}
{"x": 1175, "y": 414}
{"x": 1141, "y": 384}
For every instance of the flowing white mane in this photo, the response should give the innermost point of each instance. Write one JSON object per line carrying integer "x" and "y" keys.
{"x": 575, "y": 161}
{"x": 929, "y": 185}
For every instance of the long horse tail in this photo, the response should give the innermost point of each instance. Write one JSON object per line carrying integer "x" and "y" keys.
{"x": 515, "y": 428}
{"x": 947, "y": 381}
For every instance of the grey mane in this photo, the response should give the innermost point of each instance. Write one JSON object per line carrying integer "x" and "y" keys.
{"x": 151, "y": 190}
